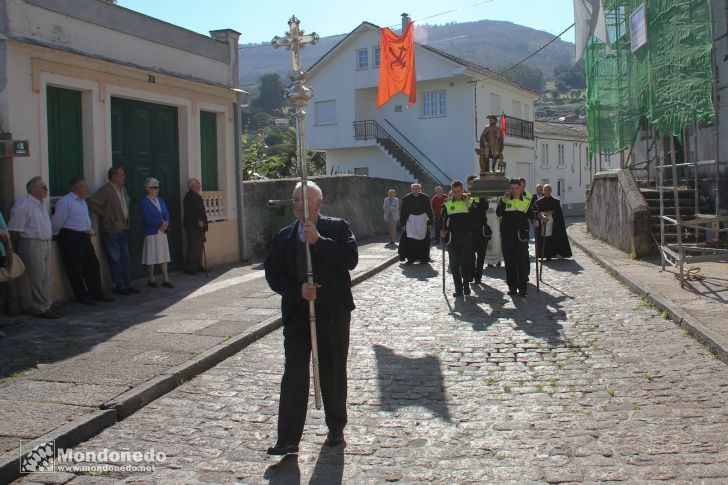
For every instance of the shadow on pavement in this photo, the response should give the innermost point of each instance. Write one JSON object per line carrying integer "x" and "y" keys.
{"x": 411, "y": 381}
{"x": 329, "y": 469}
{"x": 419, "y": 271}
{"x": 564, "y": 266}
{"x": 285, "y": 472}
{"x": 527, "y": 314}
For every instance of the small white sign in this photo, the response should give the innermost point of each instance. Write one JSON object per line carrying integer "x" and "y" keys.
{"x": 638, "y": 27}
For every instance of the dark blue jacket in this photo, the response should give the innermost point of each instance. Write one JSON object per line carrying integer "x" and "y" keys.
{"x": 151, "y": 216}
{"x": 333, "y": 256}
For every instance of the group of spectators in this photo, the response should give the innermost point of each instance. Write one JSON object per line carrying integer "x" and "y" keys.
{"x": 31, "y": 229}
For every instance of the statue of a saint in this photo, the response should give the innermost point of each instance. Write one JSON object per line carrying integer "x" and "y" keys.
{"x": 491, "y": 147}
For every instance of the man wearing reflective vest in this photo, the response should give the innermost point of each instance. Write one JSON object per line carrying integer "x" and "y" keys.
{"x": 480, "y": 233}
{"x": 515, "y": 210}
{"x": 456, "y": 233}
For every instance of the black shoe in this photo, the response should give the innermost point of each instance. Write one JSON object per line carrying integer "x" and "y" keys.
{"x": 49, "y": 314}
{"x": 153, "y": 284}
{"x": 409, "y": 262}
{"x": 121, "y": 291}
{"x": 131, "y": 289}
{"x": 511, "y": 292}
{"x": 281, "y": 449}
{"x": 491, "y": 266}
{"x": 334, "y": 439}
{"x": 498, "y": 265}
{"x": 458, "y": 293}
{"x": 466, "y": 289}
{"x": 477, "y": 281}
{"x": 104, "y": 298}
{"x": 522, "y": 293}
{"x": 168, "y": 284}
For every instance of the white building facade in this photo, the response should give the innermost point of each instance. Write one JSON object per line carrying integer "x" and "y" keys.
{"x": 562, "y": 160}
{"x": 433, "y": 140}
{"x": 91, "y": 85}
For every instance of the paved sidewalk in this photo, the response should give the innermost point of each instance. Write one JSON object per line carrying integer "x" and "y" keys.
{"x": 701, "y": 307}
{"x": 74, "y": 376}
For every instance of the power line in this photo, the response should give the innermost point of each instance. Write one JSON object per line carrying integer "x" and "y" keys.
{"x": 537, "y": 50}
{"x": 251, "y": 47}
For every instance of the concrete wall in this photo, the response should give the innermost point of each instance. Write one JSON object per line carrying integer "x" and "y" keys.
{"x": 358, "y": 199}
{"x": 617, "y": 213}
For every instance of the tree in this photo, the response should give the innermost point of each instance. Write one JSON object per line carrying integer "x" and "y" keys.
{"x": 569, "y": 77}
{"x": 529, "y": 77}
{"x": 270, "y": 97}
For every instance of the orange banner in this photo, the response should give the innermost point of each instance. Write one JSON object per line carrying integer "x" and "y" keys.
{"x": 397, "y": 65}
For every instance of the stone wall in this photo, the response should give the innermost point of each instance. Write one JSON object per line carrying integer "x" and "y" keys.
{"x": 356, "y": 198}
{"x": 617, "y": 213}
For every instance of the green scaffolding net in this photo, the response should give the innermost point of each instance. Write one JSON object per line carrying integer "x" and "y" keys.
{"x": 668, "y": 82}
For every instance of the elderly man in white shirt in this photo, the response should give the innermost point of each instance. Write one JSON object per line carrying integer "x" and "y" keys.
{"x": 30, "y": 226}
{"x": 72, "y": 225}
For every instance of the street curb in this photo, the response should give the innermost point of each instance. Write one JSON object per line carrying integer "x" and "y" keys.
{"x": 126, "y": 404}
{"x": 695, "y": 329}
{"x": 68, "y": 436}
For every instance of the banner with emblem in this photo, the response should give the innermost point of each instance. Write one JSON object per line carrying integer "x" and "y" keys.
{"x": 397, "y": 65}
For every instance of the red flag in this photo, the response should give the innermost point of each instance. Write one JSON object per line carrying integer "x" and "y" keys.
{"x": 503, "y": 124}
{"x": 397, "y": 65}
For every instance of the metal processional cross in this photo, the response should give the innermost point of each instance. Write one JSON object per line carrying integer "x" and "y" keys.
{"x": 299, "y": 95}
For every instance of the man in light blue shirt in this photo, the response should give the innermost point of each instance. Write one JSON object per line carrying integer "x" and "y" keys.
{"x": 72, "y": 226}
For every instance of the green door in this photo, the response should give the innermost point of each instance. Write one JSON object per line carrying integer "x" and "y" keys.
{"x": 208, "y": 150}
{"x": 65, "y": 138}
{"x": 144, "y": 140}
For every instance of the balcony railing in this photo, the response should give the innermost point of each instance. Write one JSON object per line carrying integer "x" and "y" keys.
{"x": 214, "y": 205}
{"x": 519, "y": 128}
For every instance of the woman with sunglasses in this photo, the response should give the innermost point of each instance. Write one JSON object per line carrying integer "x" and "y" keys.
{"x": 156, "y": 223}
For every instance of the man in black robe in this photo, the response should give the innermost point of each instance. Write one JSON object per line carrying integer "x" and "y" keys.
{"x": 416, "y": 217}
{"x": 558, "y": 243}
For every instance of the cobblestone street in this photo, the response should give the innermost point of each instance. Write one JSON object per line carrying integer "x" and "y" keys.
{"x": 582, "y": 382}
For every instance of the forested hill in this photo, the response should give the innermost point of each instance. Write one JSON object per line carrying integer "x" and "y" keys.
{"x": 490, "y": 43}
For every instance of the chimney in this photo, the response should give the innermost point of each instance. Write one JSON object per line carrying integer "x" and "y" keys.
{"x": 405, "y": 21}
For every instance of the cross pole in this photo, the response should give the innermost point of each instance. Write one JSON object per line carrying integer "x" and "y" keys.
{"x": 299, "y": 95}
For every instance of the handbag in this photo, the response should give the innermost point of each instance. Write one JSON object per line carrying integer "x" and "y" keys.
{"x": 12, "y": 271}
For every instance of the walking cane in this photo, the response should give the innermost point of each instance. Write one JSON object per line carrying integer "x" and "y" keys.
{"x": 538, "y": 258}
{"x": 443, "y": 267}
{"x": 299, "y": 95}
{"x": 204, "y": 257}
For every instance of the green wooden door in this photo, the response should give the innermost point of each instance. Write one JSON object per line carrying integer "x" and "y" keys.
{"x": 144, "y": 140}
{"x": 208, "y": 150}
{"x": 65, "y": 138}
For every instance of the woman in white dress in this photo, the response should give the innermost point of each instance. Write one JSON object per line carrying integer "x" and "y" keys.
{"x": 156, "y": 222}
{"x": 493, "y": 253}
{"x": 391, "y": 215}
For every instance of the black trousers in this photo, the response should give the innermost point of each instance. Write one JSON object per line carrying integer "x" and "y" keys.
{"x": 332, "y": 332}
{"x": 460, "y": 252}
{"x": 82, "y": 265}
{"x": 515, "y": 256}
{"x": 480, "y": 243}
{"x": 195, "y": 246}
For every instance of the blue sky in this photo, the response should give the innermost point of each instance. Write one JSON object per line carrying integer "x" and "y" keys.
{"x": 259, "y": 21}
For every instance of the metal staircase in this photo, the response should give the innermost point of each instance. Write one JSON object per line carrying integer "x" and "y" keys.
{"x": 425, "y": 173}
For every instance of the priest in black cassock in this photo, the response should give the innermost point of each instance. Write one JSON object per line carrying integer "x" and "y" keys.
{"x": 416, "y": 217}
{"x": 558, "y": 243}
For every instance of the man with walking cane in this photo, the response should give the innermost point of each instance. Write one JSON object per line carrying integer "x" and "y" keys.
{"x": 195, "y": 223}
{"x": 456, "y": 233}
{"x": 333, "y": 254}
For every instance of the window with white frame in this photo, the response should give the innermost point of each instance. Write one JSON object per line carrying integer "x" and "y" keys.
{"x": 362, "y": 58}
{"x": 325, "y": 112}
{"x": 375, "y": 55}
{"x": 562, "y": 160}
{"x": 517, "y": 109}
{"x": 527, "y": 111}
{"x": 544, "y": 153}
{"x": 495, "y": 103}
{"x": 433, "y": 104}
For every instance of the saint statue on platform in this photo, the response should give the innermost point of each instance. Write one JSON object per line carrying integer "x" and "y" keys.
{"x": 491, "y": 148}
